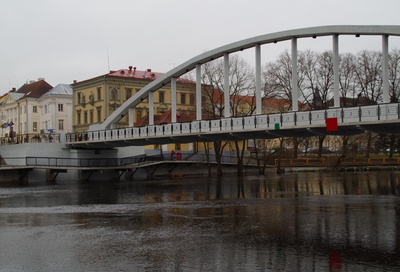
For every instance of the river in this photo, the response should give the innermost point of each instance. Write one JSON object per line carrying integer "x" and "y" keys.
{"x": 311, "y": 221}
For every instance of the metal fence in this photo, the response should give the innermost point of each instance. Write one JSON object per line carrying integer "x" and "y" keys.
{"x": 89, "y": 162}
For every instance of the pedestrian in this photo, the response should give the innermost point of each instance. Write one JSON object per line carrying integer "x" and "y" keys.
{"x": 172, "y": 154}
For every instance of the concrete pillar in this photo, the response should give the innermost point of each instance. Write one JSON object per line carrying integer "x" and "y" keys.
{"x": 295, "y": 95}
{"x": 151, "y": 108}
{"x": 336, "y": 95}
{"x": 173, "y": 100}
{"x": 227, "y": 112}
{"x": 258, "y": 80}
{"x": 198, "y": 92}
{"x": 385, "y": 68}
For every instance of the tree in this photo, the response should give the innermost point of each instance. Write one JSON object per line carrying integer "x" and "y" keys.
{"x": 347, "y": 79}
{"x": 241, "y": 88}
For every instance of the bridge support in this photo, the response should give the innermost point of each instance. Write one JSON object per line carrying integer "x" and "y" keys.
{"x": 151, "y": 108}
{"x": 227, "y": 112}
{"x": 258, "y": 80}
{"x": 14, "y": 175}
{"x": 173, "y": 100}
{"x": 198, "y": 92}
{"x": 336, "y": 95}
{"x": 51, "y": 174}
{"x": 385, "y": 68}
{"x": 295, "y": 95}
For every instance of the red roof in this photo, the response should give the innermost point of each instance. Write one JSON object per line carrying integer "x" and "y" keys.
{"x": 35, "y": 89}
{"x": 165, "y": 119}
{"x": 132, "y": 72}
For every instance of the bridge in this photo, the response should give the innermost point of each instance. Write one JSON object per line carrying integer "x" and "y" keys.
{"x": 384, "y": 117}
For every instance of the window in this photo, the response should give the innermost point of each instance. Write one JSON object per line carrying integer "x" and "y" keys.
{"x": 34, "y": 109}
{"x": 99, "y": 115}
{"x": 161, "y": 97}
{"x": 34, "y": 126}
{"x": 78, "y": 99}
{"x": 183, "y": 98}
{"x": 60, "y": 124}
{"x": 78, "y": 117}
{"x": 60, "y": 107}
{"x": 91, "y": 117}
{"x": 192, "y": 100}
{"x": 113, "y": 94}
{"x": 128, "y": 93}
{"x": 85, "y": 117}
{"x": 99, "y": 93}
{"x": 45, "y": 109}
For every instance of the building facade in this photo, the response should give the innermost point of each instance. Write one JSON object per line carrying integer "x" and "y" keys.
{"x": 35, "y": 111}
{"x": 96, "y": 98}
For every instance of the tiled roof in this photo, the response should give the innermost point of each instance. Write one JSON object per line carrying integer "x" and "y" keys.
{"x": 144, "y": 121}
{"x": 275, "y": 103}
{"x": 165, "y": 118}
{"x": 35, "y": 89}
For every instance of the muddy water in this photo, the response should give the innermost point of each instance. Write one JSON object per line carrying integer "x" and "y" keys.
{"x": 291, "y": 222}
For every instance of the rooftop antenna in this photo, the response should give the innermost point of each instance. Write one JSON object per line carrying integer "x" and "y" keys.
{"x": 108, "y": 60}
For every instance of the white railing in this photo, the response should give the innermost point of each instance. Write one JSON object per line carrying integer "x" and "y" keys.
{"x": 289, "y": 120}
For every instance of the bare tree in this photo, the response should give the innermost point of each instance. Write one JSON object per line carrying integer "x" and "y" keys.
{"x": 241, "y": 97}
{"x": 369, "y": 76}
{"x": 394, "y": 76}
{"x": 347, "y": 79}
{"x": 370, "y": 82}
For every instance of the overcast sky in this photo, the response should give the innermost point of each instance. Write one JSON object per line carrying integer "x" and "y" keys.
{"x": 63, "y": 41}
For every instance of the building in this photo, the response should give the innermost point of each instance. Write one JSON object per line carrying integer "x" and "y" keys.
{"x": 96, "y": 98}
{"x": 30, "y": 113}
{"x": 56, "y": 110}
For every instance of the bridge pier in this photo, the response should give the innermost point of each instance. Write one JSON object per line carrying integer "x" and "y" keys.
{"x": 93, "y": 174}
{"x": 51, "y": 174}
{"x": 14, "y": 175}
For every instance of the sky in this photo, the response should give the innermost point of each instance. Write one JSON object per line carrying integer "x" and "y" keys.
{"x": 63, "y": 41}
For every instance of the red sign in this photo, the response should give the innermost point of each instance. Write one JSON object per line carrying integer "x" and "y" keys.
{"x": 331, "y": 124}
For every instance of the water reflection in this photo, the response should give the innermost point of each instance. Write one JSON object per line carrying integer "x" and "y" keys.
{"x": 292, "y": 222}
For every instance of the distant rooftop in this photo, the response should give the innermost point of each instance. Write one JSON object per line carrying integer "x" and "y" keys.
{"x": 60, "y": 89}
{"x": 35, "y": 89}
{"x": 134, "y": 73}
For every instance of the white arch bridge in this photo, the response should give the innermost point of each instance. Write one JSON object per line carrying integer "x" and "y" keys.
{"x": 384, "y": 117}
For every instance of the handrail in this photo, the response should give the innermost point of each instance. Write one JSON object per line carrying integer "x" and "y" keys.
{"x": 266, "y": 122}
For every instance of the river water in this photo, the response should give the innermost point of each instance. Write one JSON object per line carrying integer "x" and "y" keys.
{"x": 293, "y": 222}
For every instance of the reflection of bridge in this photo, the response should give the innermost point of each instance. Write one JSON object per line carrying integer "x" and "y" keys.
{"x": 309, "y": 123}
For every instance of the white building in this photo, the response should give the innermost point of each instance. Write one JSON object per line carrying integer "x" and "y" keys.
{"x": 56, "y": 110}
{"x": 36, "y": 110}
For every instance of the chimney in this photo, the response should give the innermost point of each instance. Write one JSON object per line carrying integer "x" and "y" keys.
{"x": 130, "y": 68}
{"x": 149, "y": 70}
{"x": 75, "y": 81}
{"x": 134, "y": 69}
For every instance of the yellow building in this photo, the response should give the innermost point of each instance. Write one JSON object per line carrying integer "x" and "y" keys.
{"x": 96, "y": 98}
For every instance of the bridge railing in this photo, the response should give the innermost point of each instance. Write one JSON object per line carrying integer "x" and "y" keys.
{"x": 390, "y": 111}
{"x": 88, "y": 162}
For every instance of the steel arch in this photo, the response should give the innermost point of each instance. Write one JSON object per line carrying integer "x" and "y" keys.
{"x": 373, "y": 30}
